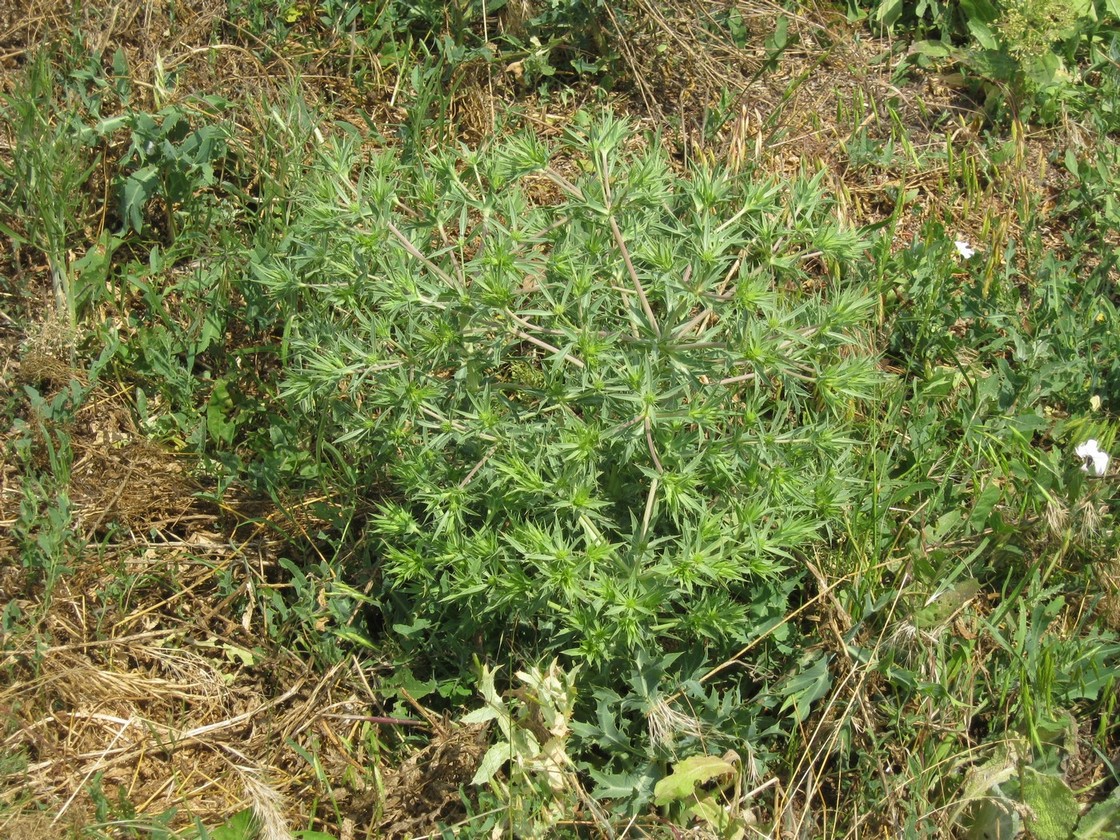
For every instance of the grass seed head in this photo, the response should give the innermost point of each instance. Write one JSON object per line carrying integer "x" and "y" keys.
{"x": 665, "y": 723}
{"x": 267, "y": 804}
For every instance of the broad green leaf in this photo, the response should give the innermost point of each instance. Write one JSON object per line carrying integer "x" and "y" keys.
{"x": 120, "y": 63}
{"x": 138, "y": 188}
{"x": 710, "y": 810}
{"x": 1053, "y": 804}
{"x": 219, "y": 409}
{"x": 238, "y": 827}
{"x": 404, "y": 678}
{"x": 994, "y": 818}
{"x": 983, "y": 35}
{"x": 111, "y": 124}
{"x": 981, "y": 781}
{"x": 681, "y": 783}
{"x": 888, "y": 13}
{"x": 984, "y": 505}
{"x": 483, "y": 715}
{"x": 417, "y": 626}
{"x": 778, "y": 40}
{"x": 235, "y": 653}
{"x": 931, "y": 49}
{"x": 1102, "y": 822}
{"x": 213, "y": 328}
{"x": 491, "y": 763}
{"x": 1046, "y": 69}
{"x": 622, "y": 786}
{"x": 495, "y": 708}
{"x": 486, "y": 688}
{"x": 806, "y": 687}
{"x": 1081, "y": 9}
{"x": 983, "y": 11}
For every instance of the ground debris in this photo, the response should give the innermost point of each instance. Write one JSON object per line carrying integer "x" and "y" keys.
{"x": 425, "y": 790}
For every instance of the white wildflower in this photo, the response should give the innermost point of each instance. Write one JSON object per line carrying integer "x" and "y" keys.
{"x": 964, "y": 249}
{"x": 1090, "y": 452}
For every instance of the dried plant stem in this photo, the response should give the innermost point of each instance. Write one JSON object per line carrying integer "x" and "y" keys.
{"x": 743, "y": 377}
{"x": 652, "y": 448}
{"x": 406, "y": 243}
{"x": 544, "y": 345}
{"x": 567, "y": 186}
{"x": 646, "y": 308}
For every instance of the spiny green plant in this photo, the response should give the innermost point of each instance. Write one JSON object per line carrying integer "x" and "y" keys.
{"x": 602, "y": 426}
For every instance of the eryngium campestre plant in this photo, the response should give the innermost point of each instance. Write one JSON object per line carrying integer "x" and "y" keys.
{"x": 597, "y": 406}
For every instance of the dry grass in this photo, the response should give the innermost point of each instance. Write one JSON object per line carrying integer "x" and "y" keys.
{"x": 166, "y": 706}
{"x": 148, "y": 671}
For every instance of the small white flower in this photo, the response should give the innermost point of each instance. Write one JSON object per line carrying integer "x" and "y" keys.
{"x": 964, "y": 249}
{"x": 1090, "y": 451}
